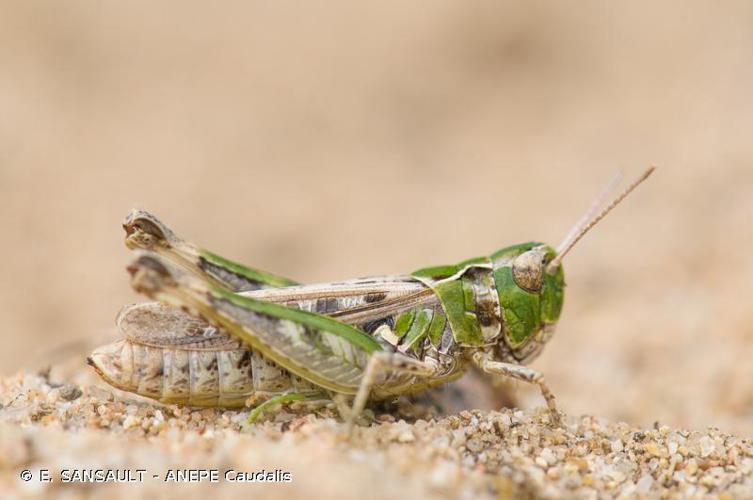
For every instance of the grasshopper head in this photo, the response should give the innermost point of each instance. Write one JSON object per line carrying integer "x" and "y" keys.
{"x": 531, "y": 283}
{"x": 531, "y": 295}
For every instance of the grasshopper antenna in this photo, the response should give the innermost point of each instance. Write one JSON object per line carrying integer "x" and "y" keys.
{"x": 592, "y": 211}
{"x": 582, "y": 227}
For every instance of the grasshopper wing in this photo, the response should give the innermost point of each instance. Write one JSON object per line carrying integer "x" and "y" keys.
{"x": 317, "y": 348}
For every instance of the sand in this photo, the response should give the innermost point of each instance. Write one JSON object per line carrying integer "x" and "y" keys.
{"x": 69, "y": 430}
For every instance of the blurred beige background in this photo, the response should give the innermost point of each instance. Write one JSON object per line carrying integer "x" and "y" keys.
{"x": 336, "y": 140}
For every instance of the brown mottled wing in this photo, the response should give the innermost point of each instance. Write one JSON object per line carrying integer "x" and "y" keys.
{"x": 353, "y": 302}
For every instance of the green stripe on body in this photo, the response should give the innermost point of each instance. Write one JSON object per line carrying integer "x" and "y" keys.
{"x": 436, "y": 329}
{"x": 404, "y": 322}
{"x": 419, "y": 329}
{"x": 246, "y": 272}
{"x": 443, "y": 272}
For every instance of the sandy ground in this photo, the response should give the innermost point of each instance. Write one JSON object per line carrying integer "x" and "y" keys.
{"x": 58, "y": 432}
{"x": 327, "y": 142}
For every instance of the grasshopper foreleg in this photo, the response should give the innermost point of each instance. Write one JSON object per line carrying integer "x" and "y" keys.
{"x": 520, "y": 373}
{"x": 380, "y": 364}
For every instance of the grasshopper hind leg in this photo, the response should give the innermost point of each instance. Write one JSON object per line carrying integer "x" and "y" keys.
{"x": 379, "y": 365}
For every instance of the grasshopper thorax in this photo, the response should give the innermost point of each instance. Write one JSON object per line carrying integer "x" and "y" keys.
{"x": 510, "y": 299}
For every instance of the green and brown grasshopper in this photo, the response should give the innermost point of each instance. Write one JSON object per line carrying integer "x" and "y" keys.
{"x": 223, "y": 334}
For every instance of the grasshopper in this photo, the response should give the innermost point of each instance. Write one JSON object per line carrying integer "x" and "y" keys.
{"x": 224, "y": 334}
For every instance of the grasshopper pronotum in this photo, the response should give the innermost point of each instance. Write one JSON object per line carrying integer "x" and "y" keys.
{"x": 223, "y": 334}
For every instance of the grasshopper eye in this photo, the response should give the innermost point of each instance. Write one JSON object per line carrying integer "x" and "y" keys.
{"x": 528, "y": 270}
